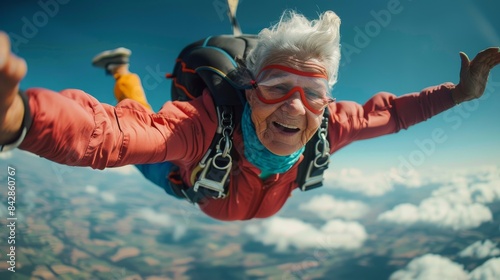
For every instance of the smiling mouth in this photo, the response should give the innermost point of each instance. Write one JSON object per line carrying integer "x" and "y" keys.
{"x": 286, "y": 128}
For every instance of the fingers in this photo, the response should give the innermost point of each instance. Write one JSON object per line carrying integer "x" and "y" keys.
{"x": 492, "y": 56}
{"x": 488, "y": 57}
{"x": 495, "y": 60}
{"x": 12, "y": 71}
{"x": 4, "y": 48}
{"x": 491, "y": 50}
{"x": 464, "y": 60}
{"x": 12, "y": 68}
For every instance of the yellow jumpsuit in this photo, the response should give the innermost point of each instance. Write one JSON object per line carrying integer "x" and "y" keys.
{"x": 129, "y": 86}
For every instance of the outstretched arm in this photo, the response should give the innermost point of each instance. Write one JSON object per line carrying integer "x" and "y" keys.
{"x": 72, "y": 127}
{"x": 12, "y": 71}
{"x": 386, "y": 113}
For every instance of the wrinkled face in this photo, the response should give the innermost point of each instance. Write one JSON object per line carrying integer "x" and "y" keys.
{"x": 288, "y": 103}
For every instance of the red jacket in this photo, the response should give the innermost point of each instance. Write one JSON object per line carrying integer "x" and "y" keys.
{"x": 74, "y": 128}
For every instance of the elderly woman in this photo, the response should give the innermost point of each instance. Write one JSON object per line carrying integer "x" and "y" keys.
{"x": 295, "y": 65}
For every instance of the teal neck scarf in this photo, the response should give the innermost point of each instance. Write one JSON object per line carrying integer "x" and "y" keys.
{"x": 260, "y": 156}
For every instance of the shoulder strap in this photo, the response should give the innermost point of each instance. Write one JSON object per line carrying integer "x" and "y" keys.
{"x": 316, "y": 158}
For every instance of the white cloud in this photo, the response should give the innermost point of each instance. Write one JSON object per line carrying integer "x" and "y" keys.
{"x": 466, "y": 176}
{"x": 343, "y": 235}
{"x": 456, "y": 193}
{"x": 161, "y": 219}
{"x": 91, "y": 189}
{"x": 375, "y": 184}
{"x": 490, "y": 270}
{"x": 484, "y": 173}
{"x": 380, "y": 183}
{"x": 179, "y": 231}
{"x": 429, "y": 267}
{"x": 285, "y": 233}
{"x": 460, "y": 204}
{"x": 327, "y": 207}
{"x": 471, "y": 192}
{"x": 410, "y": 179}
{"x": 480, "y": 250}
{"x": 439, "y": 212}
{"x": 108, "y": 197}
{"x": 6, "y": 155}
{"x": 354, "y": 180}
{"x": 402, "y": 214}
{"x": 486, "y": 192}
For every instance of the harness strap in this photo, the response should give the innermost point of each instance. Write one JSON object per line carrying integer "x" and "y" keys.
{"x": 316, "y": 158}
{"x": 211, "y": 177}
{"x": 182, "y": 191}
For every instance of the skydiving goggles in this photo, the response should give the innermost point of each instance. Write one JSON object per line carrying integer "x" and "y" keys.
{"x": 277, "y": 83}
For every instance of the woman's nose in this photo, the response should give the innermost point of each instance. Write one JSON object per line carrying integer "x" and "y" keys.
{"x": 294, "y": 105}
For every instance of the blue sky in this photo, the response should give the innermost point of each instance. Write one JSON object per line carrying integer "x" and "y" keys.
{"x": 408, "y": 45}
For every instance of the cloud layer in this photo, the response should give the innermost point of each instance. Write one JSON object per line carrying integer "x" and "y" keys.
{"x": 490, "y": 270}
{"x": 108, "y": 197}
{"x": 353, "y": 180}
{"x": 286, "y": 233}
{"x": 459, "y": 204}
{"x": 163, "y": 220}
{"x": 327, "y": 207}
{"x": 440, "y": 213}
{"x": 480, "y": 250}
{"x": 432, "y": 266}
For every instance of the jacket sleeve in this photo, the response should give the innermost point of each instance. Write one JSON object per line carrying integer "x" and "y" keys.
{"x": 74, "y": 128}
{"x": 385, "y": 113}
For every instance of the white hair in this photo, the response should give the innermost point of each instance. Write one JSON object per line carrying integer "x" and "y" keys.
{"x": 294, "y": 35}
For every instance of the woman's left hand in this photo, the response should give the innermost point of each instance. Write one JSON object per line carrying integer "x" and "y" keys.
{"x": 474, "y": 74}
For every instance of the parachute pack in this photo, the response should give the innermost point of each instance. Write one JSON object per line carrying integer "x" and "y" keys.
{"x": 209, "y": 63}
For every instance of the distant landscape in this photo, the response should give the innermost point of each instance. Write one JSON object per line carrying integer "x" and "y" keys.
{"x": 88, "y": 224}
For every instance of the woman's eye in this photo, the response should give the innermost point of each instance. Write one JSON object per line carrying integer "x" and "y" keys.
{"x": 312, "y": 94}
{"x": 282, "y": 89}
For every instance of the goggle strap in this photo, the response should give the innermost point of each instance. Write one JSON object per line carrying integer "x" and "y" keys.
{"x": 293, "y": 71}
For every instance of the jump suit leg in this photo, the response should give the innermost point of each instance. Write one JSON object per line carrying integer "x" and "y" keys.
{"x": 128, "y": 86}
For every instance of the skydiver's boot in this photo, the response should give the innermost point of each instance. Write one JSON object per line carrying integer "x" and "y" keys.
{"x": 128, "y": 85}
{"x": 111, "y": 59}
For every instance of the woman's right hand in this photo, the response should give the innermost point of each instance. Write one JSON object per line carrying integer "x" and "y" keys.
{"x": 12, "y": 71}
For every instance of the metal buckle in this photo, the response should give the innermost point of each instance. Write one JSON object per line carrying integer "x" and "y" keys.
{"x": 214, "y": 175}
{"x": 314, "y": 175}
